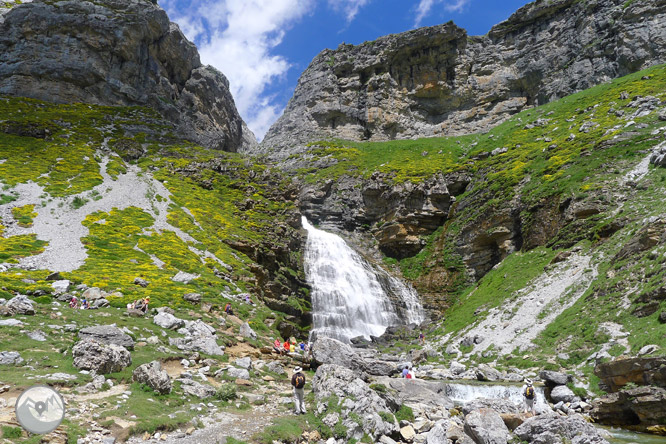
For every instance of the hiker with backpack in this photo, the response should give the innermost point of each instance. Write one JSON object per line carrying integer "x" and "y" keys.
{"x": 298, "y": 382}
{"x": 529, "y": 394}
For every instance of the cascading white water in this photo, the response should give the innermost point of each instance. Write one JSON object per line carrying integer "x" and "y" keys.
{"x": 463, "y": 393}
{"x": 347, "y": 297}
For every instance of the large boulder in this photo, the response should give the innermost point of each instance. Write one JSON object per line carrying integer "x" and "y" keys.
{"x": 168, "y": 321}
{"x": 641, "y": 371}
{"x": 361, "y": 403}
{"x": 500, "y": 405}
{"x": 238, "y": 373}
{"x": 245, "y": 363}
{"x": 194, "y": 388}
{"x": 107, "y": 334}
{"x": 247, "y": 332}
{"x": 153, "y": 376}
{"x": 10, "y": 358}
{"x": 90, "y": 354}
{"x": 562, "y": 393}
{"x": 20, "y": 305}
{"x": 555, "y": 429}
{"x": 427, "y": 394}
{"x": 485, "y": 426}
{"x": 552, "y": 378}
{"x": 199, "y": 337}
{"x": 640, "y": 407}
{"x": 332, "y": 351}
{"x": 484, "y": 372}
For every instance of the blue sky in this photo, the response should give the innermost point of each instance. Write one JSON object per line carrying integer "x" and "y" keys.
{"x": 263, "y": 46}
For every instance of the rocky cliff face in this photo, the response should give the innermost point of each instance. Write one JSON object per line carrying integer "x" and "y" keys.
{"x": 117, "y": 52}
{"x": 439, "y": 81}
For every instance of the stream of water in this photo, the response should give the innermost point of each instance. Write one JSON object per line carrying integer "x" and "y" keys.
{"x": 350, "y": 297}
{"x": 462, "y": 393}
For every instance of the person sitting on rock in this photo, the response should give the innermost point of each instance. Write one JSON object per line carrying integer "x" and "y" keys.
{"x": 287, "y": 346}
{"x": 277, "y": 346}
{"x": 85, "y": 304}
{"x": 228, "y": 310}
{"x": 146, "y": 301}
{"x": 73, "y": 303}
{"x": 529, "y": 395}
{"x": 405, "y": 372}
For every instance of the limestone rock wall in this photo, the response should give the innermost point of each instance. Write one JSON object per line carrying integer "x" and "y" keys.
{"x": 439, "y": 81}
{"x": 117, "y": 52}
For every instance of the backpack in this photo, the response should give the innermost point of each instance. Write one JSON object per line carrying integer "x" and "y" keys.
{"x": 298, "y": 381}
{"x": 529, "y": 392}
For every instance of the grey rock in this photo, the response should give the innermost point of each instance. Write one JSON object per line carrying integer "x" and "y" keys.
{"x": 61, "y": 377}
{"x": 10, "y": 358}
{"x": 89, "y": 354}
{"x": 107, "y": 334}
{"x": 93, "y": 294}
{"x": 485, "y": 372}
{"x": 498, "y": 405}
{"x": 168, "y": 321}
{"x": 71, "y": 55}
{"x": 238, "y": 373}
{"x": 437, "y": 434}
{"x": 199, "y": 344}
{"x": 648, "y": 349}
{"x": 357, "y": 397}
{"x": 428, "y": 394}
{"x": 457, "y": 368}
{"x": 153, "y": 376}
{"x": 10, "y": 323}
{"x": 37, "y": 335}
{"x": 552, "y": 378}
{"x": 195, "y": 298}
{"x": 247, "y": 332}
{"x": 184, "y": 278}
{"x": 562, "y": 393}
{"x": 245, "y": 362}
{"x": 276, "y": 367}
{"x": 485, "y": 426}
{"x": 194, "y": 388}
{"x": 168, "y": 310}
{"x": 550, "y": 429}
{"x": 60, "y": 286}
{"x": 20, "y": 305}
{"x": 332, "y": 351}
{"x": 100, "y": 303}
{"x": 141, "y": 282}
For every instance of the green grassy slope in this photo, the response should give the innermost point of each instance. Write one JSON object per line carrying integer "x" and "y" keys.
{"x": 229, "y": 206}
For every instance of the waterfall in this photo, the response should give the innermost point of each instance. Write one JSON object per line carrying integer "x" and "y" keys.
{"x": 350, "y": 297}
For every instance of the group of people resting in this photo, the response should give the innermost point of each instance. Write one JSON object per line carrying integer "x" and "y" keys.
{"x": 140, "y": 304}
{"x": 289, "y": 347}
{"x": 74, "y": 303}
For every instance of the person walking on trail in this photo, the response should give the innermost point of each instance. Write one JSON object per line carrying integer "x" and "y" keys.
{"x": 298, "y": 382}
{"x": 529, "y": 395}
{"x": 421, "y": 338}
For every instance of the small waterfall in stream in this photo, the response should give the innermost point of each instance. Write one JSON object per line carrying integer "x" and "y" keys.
{"x": 350, "y": 297}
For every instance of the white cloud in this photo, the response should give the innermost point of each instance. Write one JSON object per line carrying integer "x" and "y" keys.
{"x": 425, "y": 6}
{"x": 349, "y": 7}
{"x": 237, "y": 37}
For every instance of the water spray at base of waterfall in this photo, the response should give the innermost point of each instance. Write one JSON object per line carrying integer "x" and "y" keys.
{"x": 350, "y": 297}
